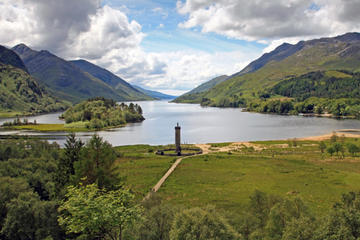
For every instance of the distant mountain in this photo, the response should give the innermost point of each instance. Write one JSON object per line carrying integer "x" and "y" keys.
{"x": 193, "y": 94}
{"x": 9, "y": 57}
{"x": 21, "y": 93}
{"x": 121, "y": 86}
{"x": 64, "y": 79}
{"x": 286, "y": 61}
{"x": 154, "y": 94}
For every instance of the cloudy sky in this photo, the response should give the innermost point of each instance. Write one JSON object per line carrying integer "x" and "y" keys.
{"x": 171, "y": 45}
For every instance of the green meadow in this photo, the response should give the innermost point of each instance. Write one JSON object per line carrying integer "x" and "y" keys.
{"x": 227, "y": 179}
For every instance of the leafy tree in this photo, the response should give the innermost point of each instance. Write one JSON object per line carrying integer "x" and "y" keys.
{"x": 195, "y": 224}
{"x": 322, "y": 146}
{"x": 10, "y": 188}
{"x": 30, "y": 218}
{"x": 260, "y": 205}
{"x": 343, "y": 221}
{"x": 338, "y": 147}
{"x": 156, "y": 223}
{"x": 302, "y": 228}
{"x": 66, "y": 163}
{"x": 282, "y": 214}
{"x": 92, "y": 212}
{"x": 248, "y": 226}
{"x": 353, "y": 149}
{"x": 330, "y": 150}
{"x": 96, "y": 164}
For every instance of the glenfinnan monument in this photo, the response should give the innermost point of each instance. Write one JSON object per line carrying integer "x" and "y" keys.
{"x": 177, "y": 139}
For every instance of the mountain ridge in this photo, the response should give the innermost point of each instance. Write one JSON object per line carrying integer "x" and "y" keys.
{"x": 120, "y": 85}
{"x": 246, "y": 88}
{"x": 65, "y": 79}
{"x": 21, "y": 93}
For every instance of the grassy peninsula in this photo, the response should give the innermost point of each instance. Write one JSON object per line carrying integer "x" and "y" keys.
{"x": 98, "y": 113}
{"x": 94, "y": 114}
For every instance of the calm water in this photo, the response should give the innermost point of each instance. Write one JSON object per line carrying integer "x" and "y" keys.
{"x": 205, "y": 125}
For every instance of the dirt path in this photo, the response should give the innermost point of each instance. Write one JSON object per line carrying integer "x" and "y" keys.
{"x": 163, "y": 179}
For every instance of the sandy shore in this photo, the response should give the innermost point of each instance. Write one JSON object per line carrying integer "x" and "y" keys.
{"x": 352, "y": 133}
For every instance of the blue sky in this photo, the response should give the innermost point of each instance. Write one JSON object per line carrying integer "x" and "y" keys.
{"x": 160, "y": 20}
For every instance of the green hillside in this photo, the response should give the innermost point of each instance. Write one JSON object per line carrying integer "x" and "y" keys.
{"x": 339, "y": 53}
{"x": 64, "y": 79}
{"x": 21, "y": 94}
{"x": 122, "y": 87}
{"x": 198, "y": 91}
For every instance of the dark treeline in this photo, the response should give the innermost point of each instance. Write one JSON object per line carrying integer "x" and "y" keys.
{"x": 100, "y": 112}
{"x": 77, "y": 193}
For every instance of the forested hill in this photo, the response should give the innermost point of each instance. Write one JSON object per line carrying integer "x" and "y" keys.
{"x": 122, "y": 87}
{"x": 285, "y": 62}
{"x": 65, "y": 79}
{"x": 19, "y": 92}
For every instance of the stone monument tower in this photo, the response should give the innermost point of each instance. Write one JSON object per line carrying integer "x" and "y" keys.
{"x": 177, "y": 139}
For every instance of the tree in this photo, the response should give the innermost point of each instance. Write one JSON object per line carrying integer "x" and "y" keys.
{"x": 156, "y": 223}
{"x": 302, "y": 228}
{"x": 353, "y": 149}
{"x": 96, "y": 213}
{"x": 322, "y": 146}
{"x": 344, "y": 220}
{"x": 66, "y": 163}
{"x": 30, "y": 218}
{"x": 201, "y": 223}
{"x": 338, "y": 147}
{"x": 260, "y": 205}
{"x": 281, "y": 214}
{"x": 331, "y": 150}
{"x": 96, "y": 164}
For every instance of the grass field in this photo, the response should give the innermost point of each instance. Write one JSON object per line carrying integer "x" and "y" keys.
{"x": 226, "y": 179}
{"x": 141, "y": 167}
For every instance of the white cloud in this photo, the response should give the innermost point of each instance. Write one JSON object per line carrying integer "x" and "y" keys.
{"x": 47, "y": 24}
{"x": 109, "y": 30}
{"x": 272, "y": 20}
{"x": 105, "y": 36}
